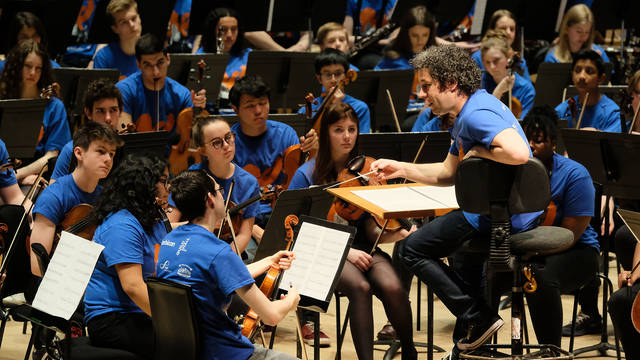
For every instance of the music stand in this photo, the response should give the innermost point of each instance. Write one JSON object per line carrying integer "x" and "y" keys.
{"x": 612, "y": 91}
{"x": 74, "y": 83}
{"x": 21, "y": 140}
{"x": 154, "y": 16}
{"x": 404, "y": 146}
{"x": 371, "y": 86}
{"x": 297, "y": 121}
{"x": 290, "y": 76}
{"x": 284, "y": 16}
{"x": 611, "y": 161}
{"x": 183, "y": 68}
{"x": 151, "y": 142}
{"x": 553, "y": 78}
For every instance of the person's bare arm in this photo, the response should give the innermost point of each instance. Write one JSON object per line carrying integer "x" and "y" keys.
{"x": 508, "y": 147}
{"x": 34, "y": 167}
{"x": 303, "y": 43}
{"x": 577, "y": 225}
{"x": 442, "y": 174}
{"x": 270, "y": 312}
{"x": 42, "y": 233}
{"x": 348, "y": 25}
{"x": 196, "y": 43}
{"x": 13, "y": 195}
{"x": 130, "y": 276}
{"x": 263, "y": 41}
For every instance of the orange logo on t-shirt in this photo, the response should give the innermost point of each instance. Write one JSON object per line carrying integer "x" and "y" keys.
{"x": 144, "y": 123}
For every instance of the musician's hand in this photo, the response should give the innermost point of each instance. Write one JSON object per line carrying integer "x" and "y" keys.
{"x": 337, "y": 97}
{"x": 29, "y": 179}
{"x": 388, "y": 169}
{"x": 309, "y": 143}
{"x": 283, "y": 259}
{"x": 293, "y": 295}
{"x": 625, "y": 278}
{"x": 199, "y": 99}
{"x": 360, "y": 259}
{"x": 504, "y": 85}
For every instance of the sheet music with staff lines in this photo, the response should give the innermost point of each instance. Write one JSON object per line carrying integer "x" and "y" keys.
{"x": 411, "y": 197}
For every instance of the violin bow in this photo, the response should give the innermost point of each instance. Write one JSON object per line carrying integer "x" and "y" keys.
{"x": 228, "y": 218}
{"x": 584, "y": 105}
{"x": 393, "y": 111}
{"x": 633, "y": 121}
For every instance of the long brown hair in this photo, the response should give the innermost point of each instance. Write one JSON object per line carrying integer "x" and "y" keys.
{"x": 499, "y": 14}
{"x": 11, "y": 83}
{"x": 325, "y": 169}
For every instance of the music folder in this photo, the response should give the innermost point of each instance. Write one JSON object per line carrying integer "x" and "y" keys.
{"x": 632, "y": 220}
{"x": 321, "y": 248}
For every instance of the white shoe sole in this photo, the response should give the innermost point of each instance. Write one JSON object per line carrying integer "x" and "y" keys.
{"x": 482, "y": 339}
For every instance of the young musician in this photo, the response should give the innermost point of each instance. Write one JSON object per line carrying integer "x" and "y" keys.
{"x": 94, "y": 147}
{"x": 633, "y": 90}
{"x": 192, "y": 254}
{"x": 333, "y": 35}
{"x": 151, "y": 99}
{"x": 26, "y": 26}
{"x": 116, "y": 301}
{"x": 576, "y": 33}
{"x": 601, "y": 113}
{"x": 331, "y": 67}
{"x": 496, "y": 55}
{"x": 482, "y": 127}
{"x": 102, "y": 103}
{"x": 363, "y": 273}
{"x": 572, "y": 206}
{"x": 504, "y": 20}
{"x": 217, "y": 147}
{"x": 121, "y": 55}
{"x": 26, "y": 73}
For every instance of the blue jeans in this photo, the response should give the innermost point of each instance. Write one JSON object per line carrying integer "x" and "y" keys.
{"x": 421, "y": 253}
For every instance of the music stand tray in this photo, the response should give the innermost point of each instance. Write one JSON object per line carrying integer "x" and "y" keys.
{"x": 152, "y": 142}
{"x": 183, "y": 68}
{"x": 21, "y": 140}
{"x": 74, "y": 83}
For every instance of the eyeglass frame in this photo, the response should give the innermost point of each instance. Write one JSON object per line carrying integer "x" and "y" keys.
{"x": 230, "y": 141}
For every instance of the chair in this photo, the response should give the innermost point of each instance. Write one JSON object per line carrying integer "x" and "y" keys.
{"x": 174, "y": 320}
{"x": 500, "y": 190}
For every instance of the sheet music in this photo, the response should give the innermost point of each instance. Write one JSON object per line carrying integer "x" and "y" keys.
{"x": 318, "y": 253}
{"x": 410, "y": 198}
{"x": 632, "y": 220}
{"x": 67, "y": 275}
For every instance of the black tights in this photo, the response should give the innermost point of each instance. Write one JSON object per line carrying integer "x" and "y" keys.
{"x": 381, "y": 280}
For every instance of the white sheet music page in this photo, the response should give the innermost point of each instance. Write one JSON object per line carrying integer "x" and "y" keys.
{"x": 67, "y": 275}
{"x": 318, "y": 252}
{"x": 410, "y": 198}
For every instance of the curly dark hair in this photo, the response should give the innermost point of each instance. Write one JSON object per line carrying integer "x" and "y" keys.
{"x": 448, "y": 65}
{"x": 11, "y": 79}
{"x": 209, "y": 39}
{"x": 189, "y": 192}
{"x": 101, "y": 89}
{"x": 132, "y": 186}
{"x": 252, "y": 85}
{"x": 541, "y": 120}
{"x": 415, "y": 16}
{"x": 328, "y": 57}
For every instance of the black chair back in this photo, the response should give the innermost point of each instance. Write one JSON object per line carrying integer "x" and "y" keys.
{"x": 174, "y": 320}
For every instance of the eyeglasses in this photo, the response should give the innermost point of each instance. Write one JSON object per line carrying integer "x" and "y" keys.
{"x": 218, "y": 143}
{"x": 327, "y": 75}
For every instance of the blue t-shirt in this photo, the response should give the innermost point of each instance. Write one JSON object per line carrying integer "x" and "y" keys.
{"x": 572, "y": 194}
{"x": 477, "y": 57}
{"x": 7, "y": 177}
{"x": 303, "y": 178}
{"x": 194, "y": 256}
{"x": 551, "y": 54}
{"x": 367, "y": 15}
{"x": 55, "y": 132}
{"x": 140, "y": 102}
{"x": 63, "y": 162}
{"x": 57, "y": 199}
{"x": 401, "y": 63}
{"x": 244, "y": 187}
{"x": 360, "y": 107}
{"x": 522, "y": 90}
{"x": 125, "y": 242}
{"x": 605, "y": 115}
{"x": 112, "y": 57}
{"x": 483, "y": 117}
{"x": 236, "y": 67}
{"x": 427, "y": 122}
{"x": 179, "y": 21}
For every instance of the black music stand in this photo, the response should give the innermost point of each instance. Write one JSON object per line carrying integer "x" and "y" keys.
{"x": 371, "y": 85}
{"x": 21, "y": 140}
{"x": 404, "y": 146}
{"x": 612, "y": 91}
{"x": 290, "y": 76}
{"x": 285, "y": 15}
{"x": 611, "y": 159}
{"x": 183, "y": 68}
{"x": 553, "y": 78}
{"x": 151, "y": 142}
{"x": 74, "y": 83}
{"x": 298, "y": 122}
{"x": 153, "y": 14}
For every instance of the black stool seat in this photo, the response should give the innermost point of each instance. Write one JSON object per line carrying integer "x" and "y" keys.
{"x": 541, "y": 241}
{"x": 81, "y": 349}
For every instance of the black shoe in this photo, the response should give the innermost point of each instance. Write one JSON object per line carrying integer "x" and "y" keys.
{"x": 585, "y": 324}
{"x": 480, "y": 333}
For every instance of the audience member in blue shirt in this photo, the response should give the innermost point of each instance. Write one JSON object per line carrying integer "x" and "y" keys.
{"x": 498, "y": 79}
{"x": 576, "y": 33}
{"x": 600, "y": 113}
{"x": 572, "y": 206}
{"x": 95, "y": 145}
{"x": 26, "y": 74}
{"x": 191, "y": 254}
{"x": 125, "y": 22}
{"x": 116, "y": 301}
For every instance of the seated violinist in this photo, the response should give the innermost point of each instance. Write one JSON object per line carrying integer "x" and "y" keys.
{"x": 217, "y": 147}
{"x": 331, "y": 69}
{"x": 600, "y": 112}
{"x": 214, "y": 272}
{"x": 102, "y": 103}
{"x": 365, "y": 272}
{"x": 501, "y": 81}
{"x": 151, "y": 100}
{"x": 261, "y": 143}
{"x": 94, "y": 147}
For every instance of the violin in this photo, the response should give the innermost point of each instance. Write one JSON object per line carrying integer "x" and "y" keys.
{"x": 514, "y": 104}
{"x": 236, "y": 211}
{"x": 50, "y": 91}
{"x": 184, "y": 153}
{"x": 269, "y": 284}
{"x": 76, "y": 221}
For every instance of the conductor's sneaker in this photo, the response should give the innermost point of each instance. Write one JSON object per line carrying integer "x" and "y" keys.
{"x": 480, "y": 333}
{"x": 308, "y": 332}
{"x": 585, "y": 324}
